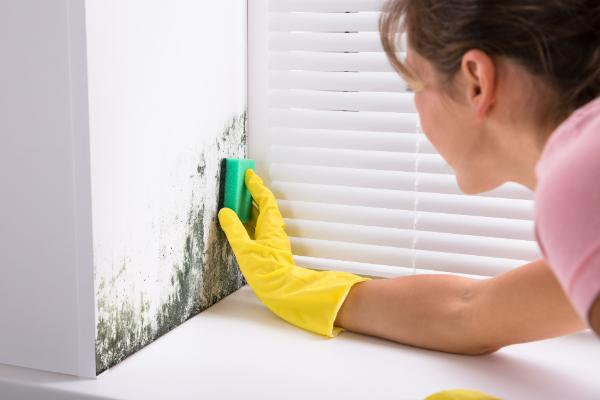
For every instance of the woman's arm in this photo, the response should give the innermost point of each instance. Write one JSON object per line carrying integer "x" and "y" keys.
{"x": 460, "y": 315}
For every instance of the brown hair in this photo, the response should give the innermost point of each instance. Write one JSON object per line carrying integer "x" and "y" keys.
{"x": 555, "y": 40}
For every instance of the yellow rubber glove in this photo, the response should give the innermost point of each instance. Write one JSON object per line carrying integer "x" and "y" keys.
{"x": 461, "y": 394}
{"x": 306, "y": 298}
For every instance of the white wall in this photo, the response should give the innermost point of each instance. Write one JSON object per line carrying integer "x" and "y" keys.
{"x": 165, "y": 80}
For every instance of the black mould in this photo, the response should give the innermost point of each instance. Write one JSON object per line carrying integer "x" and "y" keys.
{"x": 207, "y": 273}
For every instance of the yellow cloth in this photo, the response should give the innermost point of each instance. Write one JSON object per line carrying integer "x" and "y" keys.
{"x": 306, "y": 298}
{"x": 461, "y": 394}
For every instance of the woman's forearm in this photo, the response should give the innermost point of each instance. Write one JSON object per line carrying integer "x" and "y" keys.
{"x": 460, "y": 315}
{"x": 429, "y": 311}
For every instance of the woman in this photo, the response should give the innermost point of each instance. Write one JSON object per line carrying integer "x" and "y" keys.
{"x": 506, "y": 90}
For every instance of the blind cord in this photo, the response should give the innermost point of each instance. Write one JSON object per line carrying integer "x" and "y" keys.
{"x": 416, "y": 202}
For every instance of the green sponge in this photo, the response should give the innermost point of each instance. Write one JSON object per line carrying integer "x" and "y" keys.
{"x": 235, "y": 194}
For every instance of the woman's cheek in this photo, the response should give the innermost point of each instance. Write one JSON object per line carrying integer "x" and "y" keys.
{"x": 424, "y": 115}
{"x": 431, "y": 125}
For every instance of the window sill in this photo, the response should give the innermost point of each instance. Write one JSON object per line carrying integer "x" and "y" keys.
{"x": 239, "y": 349}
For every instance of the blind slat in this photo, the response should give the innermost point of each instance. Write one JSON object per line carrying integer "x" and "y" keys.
{"x": 323, "y": 22}
{"x": 376, "y": 270}
{"x": 337, "y": 81}
{"x": 333, "y": 176}
{"x": 435, "y": 261}
{"x": 364, "y": 120}
{"x": 362, "y": 159}
{"x": 330, "y": 42}
{"x": 349, "y": 233}
{"x": 355, "y": 252}
{"x": 405, "y": 200}
{"x": 351, "y": 140}
{"x": 403, "y": 258}
{"x": 386, "y": 178}
{"x": 405, "y": 219}
{"x": 422, "y": 240}
{"x": 348, "y": 101}
{"x": 327, "y": 6}
{"x": 329, "y": 62}
{"x": 382, "y": 217}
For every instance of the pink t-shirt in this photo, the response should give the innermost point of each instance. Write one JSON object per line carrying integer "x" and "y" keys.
{"x": 567, "y": 205}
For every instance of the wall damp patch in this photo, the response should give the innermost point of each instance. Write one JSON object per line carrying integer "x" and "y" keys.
{"x": 204, "y": 272}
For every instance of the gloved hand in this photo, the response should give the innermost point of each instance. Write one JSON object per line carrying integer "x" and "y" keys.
{"x": 461, "y": 394}
{"x": 306, "y": 298}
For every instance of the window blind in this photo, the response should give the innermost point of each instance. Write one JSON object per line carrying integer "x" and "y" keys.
{"x": 337, "y": 138}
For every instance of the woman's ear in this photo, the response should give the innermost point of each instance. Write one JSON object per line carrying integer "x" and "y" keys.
{"x": 479, "y": 73}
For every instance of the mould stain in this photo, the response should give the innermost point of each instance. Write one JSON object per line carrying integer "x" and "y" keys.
{"x": 206, "y": 274}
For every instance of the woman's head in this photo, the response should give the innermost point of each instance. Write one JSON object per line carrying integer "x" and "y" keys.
{"x": 483, "y": 67}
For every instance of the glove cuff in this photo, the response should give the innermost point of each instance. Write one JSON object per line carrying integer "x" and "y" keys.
{"x": 331, "y": 330}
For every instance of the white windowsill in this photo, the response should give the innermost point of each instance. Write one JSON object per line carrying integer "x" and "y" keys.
{"x": 239, "y": 349}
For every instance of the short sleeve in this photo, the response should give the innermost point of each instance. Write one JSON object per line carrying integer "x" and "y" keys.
{"x": 567, "y": 214}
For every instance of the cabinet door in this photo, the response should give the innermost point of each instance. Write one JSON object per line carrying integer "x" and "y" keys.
{"x": 46, "y": 274}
